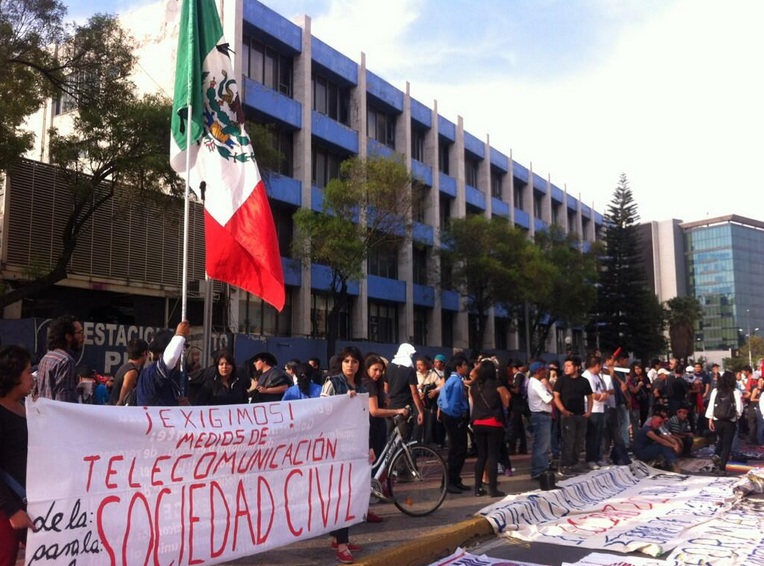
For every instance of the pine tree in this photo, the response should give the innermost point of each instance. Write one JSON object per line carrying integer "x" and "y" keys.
{"x": 627, "y": 316}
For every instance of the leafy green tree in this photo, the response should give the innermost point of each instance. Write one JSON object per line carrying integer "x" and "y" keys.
{"x": 41, "y": 57}
{"x": 683, "y": 314}
{"x": 117, "y": 141}
{"x": 367, "y": 208}
{"x": 627, "y": 316}
{"x": 487, "y": 259}
{"x": 561, "y": 285}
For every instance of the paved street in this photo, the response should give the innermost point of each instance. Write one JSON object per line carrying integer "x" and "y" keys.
{"x": 398, "y": 529}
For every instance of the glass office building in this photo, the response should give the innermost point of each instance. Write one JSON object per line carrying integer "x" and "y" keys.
{"x": 725, "y": 269}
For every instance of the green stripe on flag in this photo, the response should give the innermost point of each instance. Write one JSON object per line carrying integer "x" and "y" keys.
{"x": 200, "y": 32}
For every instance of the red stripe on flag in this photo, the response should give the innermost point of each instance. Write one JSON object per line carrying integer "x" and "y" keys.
{"x": 245, "y": 252}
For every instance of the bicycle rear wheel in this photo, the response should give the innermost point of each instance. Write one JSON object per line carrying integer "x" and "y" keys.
{"x": 417, "y": 484}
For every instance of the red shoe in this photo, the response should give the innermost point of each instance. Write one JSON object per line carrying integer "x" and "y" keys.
{"x": 372, "y": 517}
{"x": 344, "y": 556}
{"x": 352, "y": 547}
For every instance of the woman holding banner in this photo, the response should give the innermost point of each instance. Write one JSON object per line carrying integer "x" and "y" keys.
{"x": 348, "y": 382}
{"x": 15, "y": 384}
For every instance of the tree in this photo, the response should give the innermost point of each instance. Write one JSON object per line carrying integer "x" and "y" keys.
{"x": 367, "y": 208}
{"x": 683, "y": 313}
{"x": 487, "y": 259}
{"x": 562, "y": 284}
{"x": 41, "y": 57}
{"x": 117, "y": 141}
{"x": 626, "y": 309}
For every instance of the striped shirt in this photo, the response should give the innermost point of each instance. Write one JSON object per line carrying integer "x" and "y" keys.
{"x": 57, "y": 377}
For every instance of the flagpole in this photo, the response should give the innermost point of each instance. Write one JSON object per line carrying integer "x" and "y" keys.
{"x": 186, "y": 212}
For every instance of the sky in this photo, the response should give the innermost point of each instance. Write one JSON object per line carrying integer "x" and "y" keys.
{"x": 668, "y": 92}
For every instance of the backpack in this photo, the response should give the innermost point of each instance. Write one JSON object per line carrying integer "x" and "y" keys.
{"x": 724, "y": 407}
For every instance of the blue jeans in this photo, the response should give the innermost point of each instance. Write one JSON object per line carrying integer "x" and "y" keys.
{"x": 594, "y": 437}
{"x": 654, "y": 451}
{"x": 542, "y": 439}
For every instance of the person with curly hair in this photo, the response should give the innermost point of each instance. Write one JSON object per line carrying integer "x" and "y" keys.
{"x": 57, "y": 371}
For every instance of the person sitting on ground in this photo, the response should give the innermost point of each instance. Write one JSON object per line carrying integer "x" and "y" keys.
{"x": 680, "y": 429}
{"x": 651, "y": 444}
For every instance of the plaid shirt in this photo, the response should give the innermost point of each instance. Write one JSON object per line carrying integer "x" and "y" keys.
{"x": 57, "y": 377}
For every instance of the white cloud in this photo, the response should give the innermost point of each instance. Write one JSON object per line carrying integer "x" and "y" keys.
{"x": 674, "y": 101}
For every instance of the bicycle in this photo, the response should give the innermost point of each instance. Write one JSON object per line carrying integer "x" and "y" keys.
{"x": 415, "y": 475}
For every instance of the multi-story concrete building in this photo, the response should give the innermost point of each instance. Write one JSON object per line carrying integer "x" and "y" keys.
{"x": 324, "y": 107}
{"x": 717, "y": 260}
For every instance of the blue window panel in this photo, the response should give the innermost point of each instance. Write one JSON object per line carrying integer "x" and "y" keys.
{"x": 285, "y": 189}
{"x": 267, "y": 21}
{"x": 333, "y": 132}
{"x": 421, "y": 113}
{"x": 421, "y": 172}
{"x": 446, "y": 128}
{"x": 474, "y": 145}
{"x": 321, "y": 278}
{"x": 558, "y": 194}
{"x": 522, "y": 219}
{"x": 424, "y": 296}
{"x": 373, "y": 147}
{"x": 273, "y": 104}
{"x": 539, "y": 184}
{"x": 449, "y": 300}
{"x": 539, "y": 225}
{"x": 474, "y": 197}
{"x": 386, "y": 289}
{"x": 586, "y": 211}
{"x": 598, "y": 219}
{"x": 499, "y": 160}
{"x": 520, "y": 171}
{"x": 335, "y": 62}
{"x": 500, "y": 312}
{"x": 499, "y": 207}
{"x": 572, "y": 203}
{"x": 423, "y": 233}
{"x": 447, "y": 185}
{"x": 292, "y": 271}
{"x": 317, "y": 198}
{"x": 384, "y": 91}
{"x": 585, "y": 246}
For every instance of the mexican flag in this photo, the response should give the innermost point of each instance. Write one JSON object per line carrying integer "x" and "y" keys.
{"x": 241, "y": 244}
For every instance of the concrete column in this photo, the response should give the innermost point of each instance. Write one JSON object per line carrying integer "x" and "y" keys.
{"x": 461, "y": 330}
{"x": 360, "y": 309}
{"x": 302, "y": 169}
{"x": 489, "y": 336}
{"x": 432, "y": 215}
{"x": 405, "y": 255}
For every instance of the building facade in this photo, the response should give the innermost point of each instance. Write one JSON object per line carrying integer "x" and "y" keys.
{"x": 323, "y": 107}
{"x": 718, "y": 261}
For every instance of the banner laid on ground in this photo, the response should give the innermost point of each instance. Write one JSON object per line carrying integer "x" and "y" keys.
{"x": 619, "y": 509}
{"x": 191, "y": 485}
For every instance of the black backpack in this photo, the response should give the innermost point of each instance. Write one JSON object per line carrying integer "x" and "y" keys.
{"x": 724, "y": 407}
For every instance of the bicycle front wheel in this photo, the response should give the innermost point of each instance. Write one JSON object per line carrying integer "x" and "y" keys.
{"x": 417, "y": 482}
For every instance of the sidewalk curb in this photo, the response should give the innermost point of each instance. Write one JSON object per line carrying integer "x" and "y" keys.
{"x": 431, "y": 547}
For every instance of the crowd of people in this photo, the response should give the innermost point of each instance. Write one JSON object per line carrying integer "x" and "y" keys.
{"x": 587, "y": 414}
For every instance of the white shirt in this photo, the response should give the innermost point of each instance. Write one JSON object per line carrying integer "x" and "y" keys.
{"x": 539, "y": 397}
{"x": 598, "y": 386}
{"x": 609, "y": 386}
{"x": 738, "y": 404}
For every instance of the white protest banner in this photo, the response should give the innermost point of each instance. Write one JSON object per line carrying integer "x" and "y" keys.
{"x": 619, "y": 509}
{"x": 191, "y": 485}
